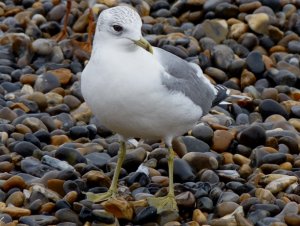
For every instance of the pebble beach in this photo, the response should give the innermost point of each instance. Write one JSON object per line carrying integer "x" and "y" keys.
{"x": 239, "y": 166}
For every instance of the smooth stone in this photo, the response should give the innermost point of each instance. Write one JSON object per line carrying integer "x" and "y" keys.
{"x": 258, "y": 22}
{"x": 289, "y": 208}
{"x": 67, "y": 215}
{"x": 258, "y": 215}
{"x": 265, "y": 196}
{"x": 182, "y": 171}
{"x": 274, "y": 158}
{"x": 205, "y": 204}
{"x": 185, "y": 199}
{"x": 98, "y": 159}
{"x": 221, "y": 140}
{"x": 43, "y": 46}
{"x": 225, "y": 208}
{"x": 292, "y": 219}
{"x": 56, "y": 163}
{"x": 145, "y": 215}
{"x": 12, "y": 182}
{"x": 35, "y": 124}
{"x": 132, "y": 159}
{"x": 34, "y": 167}
{"x": 119, "y": 207}
{"x": 216, "y": 29}
{"x": 16, "y": 212}
{"x": 204, "y": 133}
{"x": 272, "y": 208}
{"x": 168, "y": 217}
{"x": 253, "y": 136}
{"x": 222, "y": 56}
{"x": 17, "y": 199}
{"x": 138, "y": 177}
{"x": 255, "y": 63}
{"x": 208, "y": 176}
{"x": 103, "y": 216}
{"x": 72, "y": 156}
{"x": 270, "y": 107}
{"x": 72, "y": 101}
{"x": 25, "y": 148}
{"x": 200, "y": 161}
{"x": 194, "y": 145}
{"x": 283, "y": 77}
{"x": 42, "y": 220}
{"x": 281, "y": 184}
{"x": 46, "y": 82}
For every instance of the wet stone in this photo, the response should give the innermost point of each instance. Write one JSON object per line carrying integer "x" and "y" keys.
{"x": 254, "y": 63}
{"x": 270, "y": 107}
{"x": 72, "y": 156}
{"x": 253, "y": 136}
{"x": 145, "y": 215}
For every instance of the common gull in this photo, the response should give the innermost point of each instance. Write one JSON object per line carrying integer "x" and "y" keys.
{"x": 140, "y": 91}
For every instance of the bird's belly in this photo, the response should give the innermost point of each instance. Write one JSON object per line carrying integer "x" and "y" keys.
{"x": 144, "y": 113}
{"x": 137, "y": 105}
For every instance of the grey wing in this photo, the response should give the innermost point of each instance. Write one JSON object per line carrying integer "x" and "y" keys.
{"x": 187, "y": 78}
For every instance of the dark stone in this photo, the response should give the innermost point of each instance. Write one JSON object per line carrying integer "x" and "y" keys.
{"x": 72, "y": 156}
{"x": 274, "y": 158}
{"x": 255, "y": 63}
{"x": 43, "y": 136}
{"x": 138, "y": 177}
{"x": 29, "y": 137}
{"x": 11, "y": 87}
{"x": 253, "y": 136}
{"x": 103, "y": 216}
{"x": 195, "y": 145}
{"x": 34, "y": 167}
{"x": 67, "y": 215}
{"x": 98, "y": 159}
{"x": 270, "y": 107}
{"x": 25, "y": 148}
{"x": 205, "y": 204}
{"x": 78, "y": 132}
{"x": 46, "y": 82}
{"x": 182, "y": 171}
{"x": 147, "y": 214}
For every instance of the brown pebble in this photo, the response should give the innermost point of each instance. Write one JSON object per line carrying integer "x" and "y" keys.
{"x": 14, "y": 181}
{"x": 292, "y": 219}
{"x": 199, "y": 217}
{"x": 119, "y": 207}
{"x": 162, "y": 180}
{"x": 249, "y": 6}
{"x": 240, "y": 159}
{"x": 28, "y": 79}
{"x": 47, "y": 207}
{"x": 97, "y": 178}
{"x": 21, "y": 128}
{"x": 19, "y": 106}
{"x": 64, "y": 75}
{"x": 247, "y": 78}
{"x": 6, "y": 166}
{"x": 59, "y": 139}
{"x": 16, "y": 211}
{"x": 226, "y": 208}
{"x": 56, "y": 185}
{"x": 17, "y": 199}
{"x": 227, "y": 158}
{"x": 71, "y": 197}
{"x": 221, "y": 140}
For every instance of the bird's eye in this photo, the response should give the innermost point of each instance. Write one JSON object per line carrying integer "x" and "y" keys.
{"x": 117, "y": 28}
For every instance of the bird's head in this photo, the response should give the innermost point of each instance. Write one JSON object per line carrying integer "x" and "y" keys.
{"x": 123, "y": 25}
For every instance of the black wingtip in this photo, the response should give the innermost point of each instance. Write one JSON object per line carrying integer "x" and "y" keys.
{"x": 222, "y": 94}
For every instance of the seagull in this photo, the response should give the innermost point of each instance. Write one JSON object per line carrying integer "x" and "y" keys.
{"x": 141, "y": 91}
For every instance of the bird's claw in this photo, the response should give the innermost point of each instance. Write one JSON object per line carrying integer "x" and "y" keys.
{"x": 163, "y": 203}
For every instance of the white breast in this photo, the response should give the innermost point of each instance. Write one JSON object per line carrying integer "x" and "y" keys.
{"x": 128, "y": 97}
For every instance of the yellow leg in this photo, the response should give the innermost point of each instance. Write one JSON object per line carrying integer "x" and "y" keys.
{"x": 112, "y": 191}
{"x": 168, "y": 202}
